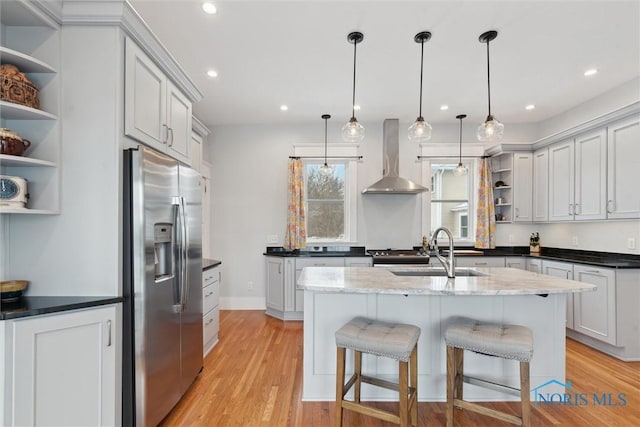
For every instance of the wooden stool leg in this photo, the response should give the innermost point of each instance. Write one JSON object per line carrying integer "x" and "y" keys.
{"x": 524, "y": 393}
{"x": 413, "y": 381}
{"x": 339, "y": 384}
{"x": 357, "y": 357}
{"x": 451, "y": 376}
{"x": 403, "y": 387}
{"x": 459, "y": 356}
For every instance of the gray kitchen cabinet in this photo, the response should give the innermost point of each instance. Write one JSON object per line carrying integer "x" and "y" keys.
{"x": 515, "y": 262}
{"x": 284, "y": 300}
{"x": 565, "y": 271}
{"x": 63, "y": 368}
{"x": 623, "y": 169}
{"x": 210, "y": 308}
{"x": 275, "y": 285}
{"x": 522, "y": 187}
{"x": 534, "y": 265}
{"x": 577, "y": 178}
{"x": 595, "y": 312}
{"x": 541, "y": 185}
{"x": 158, "y": 114}
{"x": 479, "y": 261}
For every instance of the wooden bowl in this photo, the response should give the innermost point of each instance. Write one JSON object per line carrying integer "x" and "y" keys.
{"x": 11, "y": 290}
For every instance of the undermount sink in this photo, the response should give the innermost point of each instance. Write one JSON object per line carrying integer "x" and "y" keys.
{"x": 438, "y": 272}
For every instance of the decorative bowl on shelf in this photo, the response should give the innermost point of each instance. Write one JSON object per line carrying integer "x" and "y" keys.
{"x": 12, "y": 290}
{"x": 11, "y": 143}
{"x": 500, "y": 184}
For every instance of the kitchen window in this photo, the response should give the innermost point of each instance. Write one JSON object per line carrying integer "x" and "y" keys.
{"x": 330, "y": 199}
{"x": 451, "y": 201}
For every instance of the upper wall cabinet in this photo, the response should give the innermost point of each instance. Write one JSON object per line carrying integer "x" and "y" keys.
{"x": 577, "y": 178}
{"x": 31, "y": 41}
{"x": 623, "y": 171}
{"x": 541, "y": 185}
{"x": 522, "y": 187}
{"x": 157, "y": 113}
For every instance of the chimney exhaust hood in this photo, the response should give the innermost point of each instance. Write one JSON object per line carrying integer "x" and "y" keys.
{"x": 391, "y": 182}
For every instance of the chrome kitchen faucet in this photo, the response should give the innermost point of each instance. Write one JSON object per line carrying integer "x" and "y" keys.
{"x": 447, "y": 263}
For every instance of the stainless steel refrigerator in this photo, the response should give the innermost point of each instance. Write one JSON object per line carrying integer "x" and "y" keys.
{"x": 162, "y": 284}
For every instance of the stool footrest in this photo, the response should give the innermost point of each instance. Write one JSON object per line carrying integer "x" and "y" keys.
{"x": 380, "y": 383}
{"x": 463, "y": 404}
{"x": 366, "y": 410}
{"x": 491, "y": 385}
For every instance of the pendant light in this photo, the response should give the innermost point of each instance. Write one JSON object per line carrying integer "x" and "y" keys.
{"x": 420, "y": 131}
{"x": 491, "y": 129}
{"x": 460, "y": 169}
{"x": 325, "y": 167}
{"x": 353, "y": 131}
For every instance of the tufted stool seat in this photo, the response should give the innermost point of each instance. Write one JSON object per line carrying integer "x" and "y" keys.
{"x": 393, "y": 340}
{"x": 504, "y": 341}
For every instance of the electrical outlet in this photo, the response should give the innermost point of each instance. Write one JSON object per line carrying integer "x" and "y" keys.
{"x": 250, "y": 285}
{"x": 512, "y": 238}
{"x": 631, "y": 243}
{"x": 272, "y": 238}
{"x": 574, "y": 240}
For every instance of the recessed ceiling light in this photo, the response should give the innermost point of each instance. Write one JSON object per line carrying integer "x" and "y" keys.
{"x": 530, "y": 107}
{"x": 284, "y": 108}
{"x": 444, "y": 107}
{"x": 209, "y": 8}
{"x": 356, "y": 107}
{"x": 212, "y": 73}
{"x": 591, "y": 72}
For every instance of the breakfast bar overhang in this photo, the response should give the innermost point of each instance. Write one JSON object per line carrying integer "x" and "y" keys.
{"x": 422, "y": 297}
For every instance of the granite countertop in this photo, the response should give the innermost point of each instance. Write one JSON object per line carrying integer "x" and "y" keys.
{"x": 494, "y": 281}
{"x": 208, "y": 263}
{"x": 32, "y": 306}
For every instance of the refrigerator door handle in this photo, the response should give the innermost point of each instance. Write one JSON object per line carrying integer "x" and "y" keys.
{"x": 184, "y": 289}
{"x": 176, "y": 202}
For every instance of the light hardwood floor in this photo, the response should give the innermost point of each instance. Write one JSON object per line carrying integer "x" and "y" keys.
{"x": 254, "y": 378}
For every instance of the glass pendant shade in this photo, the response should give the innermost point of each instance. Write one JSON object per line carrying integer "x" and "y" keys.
{"x": 460, "y": 170}
{"x": 353, "y": 131}
{"x": 490, "y": 130}
{"x": 420, "y": 131}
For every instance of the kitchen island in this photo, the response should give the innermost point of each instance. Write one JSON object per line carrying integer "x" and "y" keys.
{"x": 334, "y": 295}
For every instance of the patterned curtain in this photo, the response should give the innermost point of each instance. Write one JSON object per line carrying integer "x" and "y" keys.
{"x": 485, "y": 211}
{"x": 296, "y": 235}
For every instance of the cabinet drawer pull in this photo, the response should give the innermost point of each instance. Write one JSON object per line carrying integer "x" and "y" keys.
{"x": 166, "y": 134}
{"x": 479, "y": 263}
{"x": 209, "y": 294}
{"x": 108, "y": 333}
{"x": 609, "y": 206}
{"x": 592, "y": 271}
{"x": 575, "y": 209}
{"x": 170, "y": 136}
{"x": 209, "y": 322}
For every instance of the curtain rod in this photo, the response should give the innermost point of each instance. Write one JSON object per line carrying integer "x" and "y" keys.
{"x": 452, "y": 157}
{"x": 328, "y": 157}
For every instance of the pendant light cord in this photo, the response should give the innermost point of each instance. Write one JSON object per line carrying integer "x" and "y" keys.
{"x": 460, "y": 158}
{"x": 353, "y": 99}
{"x": 488, "y": 78}
{"x": 325, "y": 140}
{"x": 421, "y": 67}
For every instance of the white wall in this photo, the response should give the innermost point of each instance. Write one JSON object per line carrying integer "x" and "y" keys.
{"x": 249, "y": 184}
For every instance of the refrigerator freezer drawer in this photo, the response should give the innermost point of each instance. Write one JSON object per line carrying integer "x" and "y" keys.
{"x": 210, "y": 297}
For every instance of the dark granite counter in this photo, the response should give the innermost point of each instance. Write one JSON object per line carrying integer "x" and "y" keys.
{"x": 600, "y": 259}
{"x": 208, "y": 263}
{"x": 318, "y": 251}
{"x": 33, "y": 306}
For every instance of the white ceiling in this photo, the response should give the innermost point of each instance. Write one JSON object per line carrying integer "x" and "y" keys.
{"x": 269, "y": 53}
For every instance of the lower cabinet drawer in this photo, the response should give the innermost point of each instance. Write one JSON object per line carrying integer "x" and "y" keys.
{"x": 210, "y": 296}
{"x": 210, "y": 326}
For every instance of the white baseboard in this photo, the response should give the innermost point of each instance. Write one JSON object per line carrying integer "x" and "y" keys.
{"x": 241, "y": 303}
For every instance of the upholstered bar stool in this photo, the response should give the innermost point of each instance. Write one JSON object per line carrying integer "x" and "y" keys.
{"x": 394, "y": 340}
{"x": 505, "y": 341}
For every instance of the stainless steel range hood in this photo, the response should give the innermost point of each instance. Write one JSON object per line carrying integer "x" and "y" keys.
{"x": 391, "y": 182}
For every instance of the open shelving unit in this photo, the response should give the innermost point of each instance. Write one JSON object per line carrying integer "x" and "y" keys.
{"x": 31, "y": 42}
{"x": 502, "y": 170}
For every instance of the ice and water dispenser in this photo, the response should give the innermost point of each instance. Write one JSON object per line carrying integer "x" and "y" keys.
{"x": 163, "y": 251}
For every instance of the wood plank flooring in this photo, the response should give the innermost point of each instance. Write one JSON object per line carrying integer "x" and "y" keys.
{"x": 254, "y": 378}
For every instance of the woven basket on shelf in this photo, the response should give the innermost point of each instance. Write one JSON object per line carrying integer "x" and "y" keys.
{"x": 16, "y": 87}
